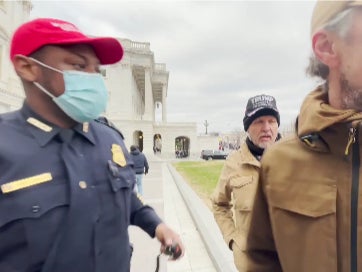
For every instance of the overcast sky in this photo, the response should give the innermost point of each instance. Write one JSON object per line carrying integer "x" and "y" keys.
{"x": 218, "y": 53}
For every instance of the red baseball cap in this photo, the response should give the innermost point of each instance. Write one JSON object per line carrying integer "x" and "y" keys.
{"x": 32, "y": 35}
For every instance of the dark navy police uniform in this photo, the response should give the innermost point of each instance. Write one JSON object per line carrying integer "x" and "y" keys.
{"x": 66, "y": 197}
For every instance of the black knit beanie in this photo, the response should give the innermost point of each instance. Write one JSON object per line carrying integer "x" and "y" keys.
{"x": 260, "y": 105}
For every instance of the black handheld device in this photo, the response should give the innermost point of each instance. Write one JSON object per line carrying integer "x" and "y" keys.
{"x": 174, "y": 251}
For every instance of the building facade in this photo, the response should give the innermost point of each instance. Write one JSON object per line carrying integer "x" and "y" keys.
{"x": 12, "y": 14}
{"x": 138, "y": 86}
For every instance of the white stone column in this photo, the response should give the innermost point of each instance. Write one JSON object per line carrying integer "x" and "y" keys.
{"x": 149, "y": 105}
{"x": 164, "y": 104}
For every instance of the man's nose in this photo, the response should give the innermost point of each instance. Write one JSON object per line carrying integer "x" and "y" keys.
{"x": 266, "y": 126}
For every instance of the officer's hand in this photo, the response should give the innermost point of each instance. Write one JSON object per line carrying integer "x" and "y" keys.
{"x": 146, "y": 171}
{"x": 169, "y": 238}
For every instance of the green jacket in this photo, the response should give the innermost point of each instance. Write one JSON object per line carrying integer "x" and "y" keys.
{"x": 308, "y": 211}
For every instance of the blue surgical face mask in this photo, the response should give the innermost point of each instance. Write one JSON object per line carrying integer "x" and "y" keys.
{"x": 85, "y": 96}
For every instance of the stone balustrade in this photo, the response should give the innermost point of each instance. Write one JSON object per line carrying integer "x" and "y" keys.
{"x": 159, "y": 67}
{"x": 133, "y": 45}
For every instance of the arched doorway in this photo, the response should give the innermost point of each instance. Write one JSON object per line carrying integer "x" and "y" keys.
{"x": 138, "y": 139}
{"x": 157, "y": 143}
{"x": 182, "y": 147}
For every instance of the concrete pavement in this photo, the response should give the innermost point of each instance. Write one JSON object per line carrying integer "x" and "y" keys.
{"x": 184, "y": 211}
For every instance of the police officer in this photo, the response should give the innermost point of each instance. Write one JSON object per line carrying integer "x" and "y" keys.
{"x": 66, "y": 197}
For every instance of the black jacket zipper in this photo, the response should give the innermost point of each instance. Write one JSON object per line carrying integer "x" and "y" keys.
{"x": 354, "y": 198}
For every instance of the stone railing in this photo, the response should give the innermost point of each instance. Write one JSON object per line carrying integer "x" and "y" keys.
{"x": 132, "y": 45}
{"x": 140, "y": 46}
{"x": 159, "y": 67}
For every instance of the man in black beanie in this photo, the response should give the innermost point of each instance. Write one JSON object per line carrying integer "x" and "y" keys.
{"x": 261, "y": 110}
{"x": 233, "y": 197}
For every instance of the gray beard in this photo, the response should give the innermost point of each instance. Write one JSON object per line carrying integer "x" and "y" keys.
{"x": 351, "y": 97}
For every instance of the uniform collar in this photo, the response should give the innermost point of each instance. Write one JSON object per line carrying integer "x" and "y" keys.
{"x": 44, "y": 131}
{"x": 86, "y": 130}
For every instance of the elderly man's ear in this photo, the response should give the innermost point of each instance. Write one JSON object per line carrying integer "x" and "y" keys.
{"x": 324, "y": 47}
{"x": 25, "y": 68}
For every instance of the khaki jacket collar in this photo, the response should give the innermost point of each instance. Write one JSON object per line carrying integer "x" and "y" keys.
{"x": 246, "y": 157}
{"x": 316, "y": 114}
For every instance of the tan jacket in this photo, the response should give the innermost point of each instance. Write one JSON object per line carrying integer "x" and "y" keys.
{"x": 235, "y": 191}
{"x": 303, "y": 219}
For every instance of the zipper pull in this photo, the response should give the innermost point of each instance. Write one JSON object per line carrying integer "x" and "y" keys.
{"x": 351, "y": 140}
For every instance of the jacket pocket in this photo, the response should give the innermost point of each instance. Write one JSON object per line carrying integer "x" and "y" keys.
{"x": 120, "y": 177}
{"x": 32, "y": 202}
{"x": 243, "y": 191}
{"x": 31, "y": 217}
{"x": 122, "y": 181}
{"x": 303, "y": 219}
{"x": 311, "y": 200}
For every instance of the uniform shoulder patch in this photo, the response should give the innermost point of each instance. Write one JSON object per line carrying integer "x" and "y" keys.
{"x": 104, "y": 121}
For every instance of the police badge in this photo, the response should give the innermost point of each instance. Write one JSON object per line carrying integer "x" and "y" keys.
{"x": 118, "y": 156}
